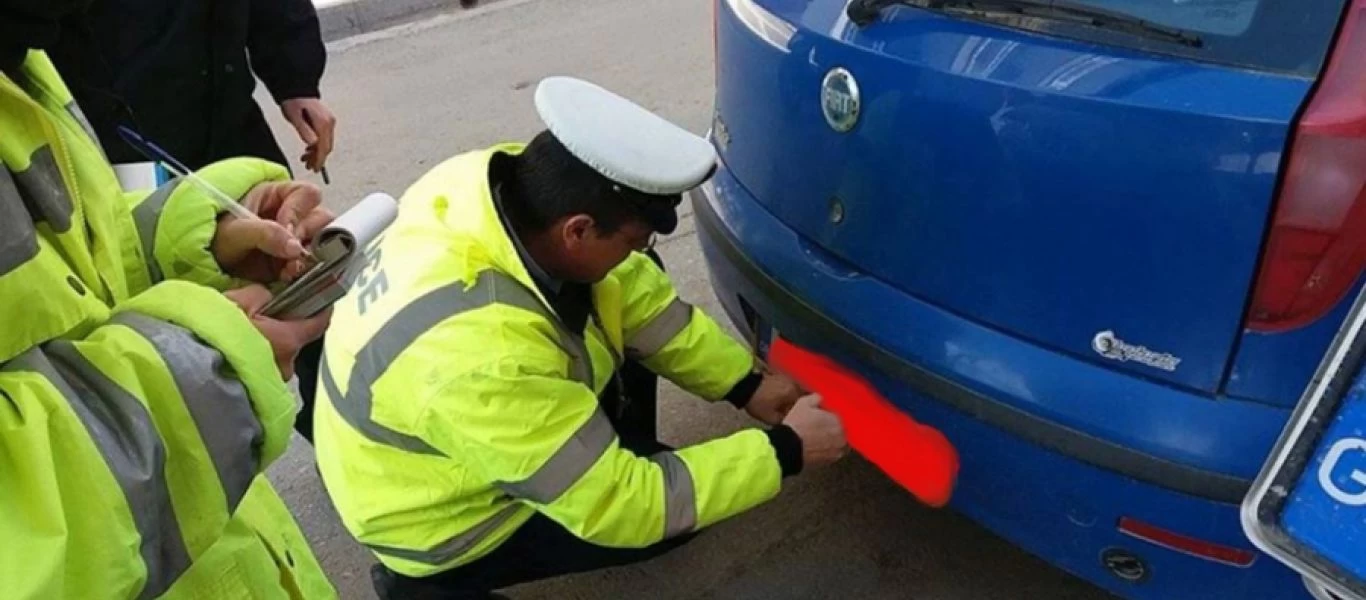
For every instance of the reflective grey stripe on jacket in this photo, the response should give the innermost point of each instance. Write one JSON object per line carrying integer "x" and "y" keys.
{"x": 403, "y": 329}
{"x": 680, "y": 500}
{"x": 36, "y": 194}
{"x": 661, "y": 330}
{"x": 18, "y": 239}
{"x": 146, "y": 217}
{"x": 44, "y": 192}
{"x": 122, "y": 430}
{"x": 457, "y": 546}
{"x": 569, "y": 463}
{"x": 395, "y": 336}
{"x": 219, "y": 406}
{"x": 582, "y": 450}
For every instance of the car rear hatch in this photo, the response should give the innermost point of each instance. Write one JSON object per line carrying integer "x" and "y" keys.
{"x": 1096, "y": 191}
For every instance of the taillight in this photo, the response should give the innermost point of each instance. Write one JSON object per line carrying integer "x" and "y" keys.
{"x": 1235, "y": 557}
{"x": 1317, "y": 245}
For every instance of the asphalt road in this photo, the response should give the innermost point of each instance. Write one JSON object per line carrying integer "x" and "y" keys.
{"x": 409, "y": 98}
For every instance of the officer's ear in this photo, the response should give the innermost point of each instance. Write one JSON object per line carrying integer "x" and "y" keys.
{"x": 576, "y": 231}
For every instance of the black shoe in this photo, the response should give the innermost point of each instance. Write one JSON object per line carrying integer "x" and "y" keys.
{"x": 388, "y": 587}
{"x": 382, "y": 581}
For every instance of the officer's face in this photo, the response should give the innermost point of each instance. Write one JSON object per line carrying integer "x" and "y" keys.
{"x": 592, "y": 255}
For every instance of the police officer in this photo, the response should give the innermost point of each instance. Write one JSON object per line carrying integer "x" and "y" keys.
{"x": 469, "y": 429}
{"x": 139, "y": 403}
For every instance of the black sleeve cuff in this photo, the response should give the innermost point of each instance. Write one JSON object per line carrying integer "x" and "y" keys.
{"x": 744, "y": 390}
{"x": 295, "y": 92}
{"x": 788, "y": 447}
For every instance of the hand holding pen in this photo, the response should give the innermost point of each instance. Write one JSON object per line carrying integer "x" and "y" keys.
{"x": 264, "y": 237}
{"x": 268, "y": 254}
{"x": 316, "y": 126}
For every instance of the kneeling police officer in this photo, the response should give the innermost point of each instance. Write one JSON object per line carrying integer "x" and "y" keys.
{"x": 472, "y": 430}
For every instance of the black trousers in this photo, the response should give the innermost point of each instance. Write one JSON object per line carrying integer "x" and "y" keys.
{"x": 306, "y": 366}
{"x": 541, "y": 548}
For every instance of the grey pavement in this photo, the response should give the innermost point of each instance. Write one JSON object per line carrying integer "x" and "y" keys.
{"x": 410, "y": 97}
{"x": 340, "y": 19}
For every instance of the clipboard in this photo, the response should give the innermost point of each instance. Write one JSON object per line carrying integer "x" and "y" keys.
{"x": 339, "y": 253}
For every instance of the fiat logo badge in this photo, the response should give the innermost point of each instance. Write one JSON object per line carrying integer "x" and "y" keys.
{"x": 840, "y": 100}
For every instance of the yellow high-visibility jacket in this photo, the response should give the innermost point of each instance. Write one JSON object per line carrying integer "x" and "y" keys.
{"x": 454, "y": 405}
{"x": 138, "y": 405}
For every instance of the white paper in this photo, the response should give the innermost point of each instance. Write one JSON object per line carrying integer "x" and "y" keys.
{"x": 364, "y": 222}
{"x": 136, "y": 176}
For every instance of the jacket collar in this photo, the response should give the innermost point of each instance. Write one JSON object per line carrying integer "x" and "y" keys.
{"x": 459, "y": 195}
{"x": 538, "y": 273}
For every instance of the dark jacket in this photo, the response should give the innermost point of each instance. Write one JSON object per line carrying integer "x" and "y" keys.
{"x": 181, "y": 72}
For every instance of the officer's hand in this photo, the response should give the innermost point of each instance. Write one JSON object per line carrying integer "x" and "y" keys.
{"x": 271, "y": 248}
{"x": 285, "y": 337}
{"x": 777, "y": 394}
{"x": 821, "y": 433}
{"x": 316, "y": 126}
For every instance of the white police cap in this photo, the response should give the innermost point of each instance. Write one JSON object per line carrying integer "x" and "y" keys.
{"x": 621, "y": 139}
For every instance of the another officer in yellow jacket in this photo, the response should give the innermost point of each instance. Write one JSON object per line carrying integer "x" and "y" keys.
{"x": 468, "y": 430}
{"x": 139, "y": 404}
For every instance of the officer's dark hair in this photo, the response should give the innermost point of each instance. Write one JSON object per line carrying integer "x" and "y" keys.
{"x": 548, "y": 183}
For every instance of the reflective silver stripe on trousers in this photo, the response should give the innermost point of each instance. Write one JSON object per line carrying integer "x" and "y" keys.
{"x": 18, "y": 239}
{"x": 219, "y": 405}
{"x": 659, "y": 332}
{"x": 43, "y": 191}
{"x": 403, "y": 329}
{"x": 146, "y": 217}
{"x": 455, "y": 547}
{"x": 122, "y": 430}
{"x": 578, "y": 454}
{"x": 680, "y": 503}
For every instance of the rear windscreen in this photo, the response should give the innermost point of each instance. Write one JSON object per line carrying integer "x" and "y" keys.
{"x": 1290, "y": 36}
{"x": 1224, "y": 18}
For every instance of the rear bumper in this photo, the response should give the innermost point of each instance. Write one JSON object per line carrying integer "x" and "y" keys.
{"x": 1070, "y": 442}
{"x": 793, "y": 307}
{"x": 1050, "y": 479}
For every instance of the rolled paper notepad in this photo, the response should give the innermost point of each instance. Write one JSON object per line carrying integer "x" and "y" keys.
{"x": 916, "y": 456}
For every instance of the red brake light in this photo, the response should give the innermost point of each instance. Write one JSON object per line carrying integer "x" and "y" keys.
{"x": 1236, "y": 557}
{"x": 1316, "y": 249}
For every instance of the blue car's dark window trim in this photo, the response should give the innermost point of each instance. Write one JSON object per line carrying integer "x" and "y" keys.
{"x": 1284, "y": 36}
{"x": 1063, "y": 440}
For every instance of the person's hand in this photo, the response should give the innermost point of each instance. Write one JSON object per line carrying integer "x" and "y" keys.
{"x": 316, "y": 125}
{"x": 777, "y": 394}
{"x": 821, "y": 432}
{"x": 285, "y": 337}
{"x": 271, "y": 248}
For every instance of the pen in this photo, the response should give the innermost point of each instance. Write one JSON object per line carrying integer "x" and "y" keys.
{"x": 164, "y": 158}
{"x": 323, "y": 168}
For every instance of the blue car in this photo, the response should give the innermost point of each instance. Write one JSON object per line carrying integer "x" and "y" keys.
{"x": 1103, "y": 245}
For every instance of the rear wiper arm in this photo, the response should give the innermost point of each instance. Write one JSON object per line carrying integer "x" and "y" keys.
{"x": 863, "y": 12}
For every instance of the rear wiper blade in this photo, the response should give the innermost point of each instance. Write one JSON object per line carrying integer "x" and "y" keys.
{"x": 863, "y": 12}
